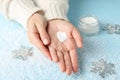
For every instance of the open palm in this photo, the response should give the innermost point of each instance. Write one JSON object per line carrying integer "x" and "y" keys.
{"x": 64, "y": 52}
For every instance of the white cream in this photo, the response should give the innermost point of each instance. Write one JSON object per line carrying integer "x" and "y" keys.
{"x": 89, "y": 20}
{"x": 61, "y": 36}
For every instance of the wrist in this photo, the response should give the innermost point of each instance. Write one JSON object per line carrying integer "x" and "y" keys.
{"x": 54, "y": 9}
{"x": 40, "y": 12}
{"x": 58, "y": 19}
{"x": 37, "y": 18}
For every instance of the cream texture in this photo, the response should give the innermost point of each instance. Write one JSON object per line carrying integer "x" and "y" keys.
{"x": 61, "y": 36}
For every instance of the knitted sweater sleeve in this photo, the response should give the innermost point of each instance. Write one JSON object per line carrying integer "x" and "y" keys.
{"x": 54, "y": 9}
{"x": 18, "y": 10}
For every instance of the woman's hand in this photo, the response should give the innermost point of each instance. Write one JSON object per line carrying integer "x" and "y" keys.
{"x": 64, "y": 53}
{"x": 36, "y": 31}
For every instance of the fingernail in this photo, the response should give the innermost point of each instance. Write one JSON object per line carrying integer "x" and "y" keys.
{"x": 81, "y": 46}
{"x": 45, "y": 41}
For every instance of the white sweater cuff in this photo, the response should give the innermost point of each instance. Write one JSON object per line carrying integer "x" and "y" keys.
{"x": 54, "y": 9}
{"x": 21, "y": 11}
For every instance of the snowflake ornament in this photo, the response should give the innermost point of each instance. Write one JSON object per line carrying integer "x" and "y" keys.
{"x": 117, "y": 27}
{"x": 103, "y": 68}
{"x": 112, "y": 28}
{"x": 23, "y": 52}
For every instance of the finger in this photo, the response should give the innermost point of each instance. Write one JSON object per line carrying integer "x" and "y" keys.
{"x": 74, "y": 59}
{"x": 61, "y": 61}
{"x": 53, "y": 53}
{"x": 40, "y": 45}
{"x": 76, "y": 35}
{"x": 43, "y": 33}
{"x": 35, "y": 39}
{"x": 68, "y": 63}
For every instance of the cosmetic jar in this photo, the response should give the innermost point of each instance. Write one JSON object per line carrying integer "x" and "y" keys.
{"x": 89, "y": 25}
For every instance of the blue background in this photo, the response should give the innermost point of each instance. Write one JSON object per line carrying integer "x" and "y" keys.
{"x": 107, "y": 11}
{"x": 95, "y": 48}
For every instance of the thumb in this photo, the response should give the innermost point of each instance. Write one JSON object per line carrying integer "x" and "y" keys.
{"x": 43, "y": 34}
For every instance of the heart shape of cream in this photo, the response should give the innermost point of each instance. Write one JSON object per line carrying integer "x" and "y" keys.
{"x": 61, "y": 36}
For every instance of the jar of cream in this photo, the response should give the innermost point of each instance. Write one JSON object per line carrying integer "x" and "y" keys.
{"x": 89, "y": 25}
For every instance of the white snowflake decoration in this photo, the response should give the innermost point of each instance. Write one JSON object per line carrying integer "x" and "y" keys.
{"x": 103, "y": 68}
{"x": 23, "y": 52}
{"x": 112, "y": 28}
